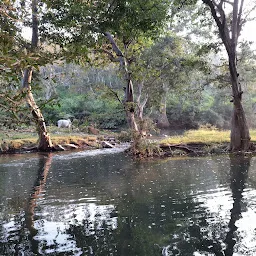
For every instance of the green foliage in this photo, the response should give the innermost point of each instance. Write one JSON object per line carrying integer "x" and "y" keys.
{"x": 142, "y": 147}
{"x": 125, "y": 136}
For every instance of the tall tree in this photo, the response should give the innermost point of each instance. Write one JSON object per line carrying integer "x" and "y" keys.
{"x": 168, "y": 66}
{"x": 229, "y": 26}
{"x": 44, "y": 143}
{"x": 113, "y": 27}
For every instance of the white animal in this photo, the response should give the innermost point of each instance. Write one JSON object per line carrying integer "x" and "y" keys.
{"x": 64, "y": 123}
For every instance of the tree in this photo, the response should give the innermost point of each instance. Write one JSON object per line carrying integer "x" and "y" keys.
{"x": 169, "y": 66}
{"x": 44, "y": 143}
{"x": 19, "y": 55}
{"x": 113, "y": 28}
{"x": 229, "y": 27}
{"x": 10, "y": 96}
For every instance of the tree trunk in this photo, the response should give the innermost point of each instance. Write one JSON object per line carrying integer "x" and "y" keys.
{"x": 129, "y": 102}
{"x": 129, "y": 94}
{"x": 44, "y": 143}
{"x": 162, "y": 121}
{"x": 240, "y": 136}
{"x": 141, "y": 104}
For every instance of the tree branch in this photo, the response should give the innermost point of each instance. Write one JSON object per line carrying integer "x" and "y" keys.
{"x": 239, "y": 18}
{"x": 110, "y": 55}
{"x": 116, "y": 95}
{"x": 221, "y": 22}
{"x": 114, "y": 45}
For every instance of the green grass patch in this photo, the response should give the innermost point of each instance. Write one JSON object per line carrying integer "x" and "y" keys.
{"x": 199, "y": 136}
{"x": 205, "y": 136}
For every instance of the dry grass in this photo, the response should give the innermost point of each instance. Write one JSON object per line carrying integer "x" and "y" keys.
{"x": 205, "y": 136}
{"x": 26, "y": 138}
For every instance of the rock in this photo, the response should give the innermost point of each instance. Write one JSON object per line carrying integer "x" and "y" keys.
{"x": 106, "y": 144}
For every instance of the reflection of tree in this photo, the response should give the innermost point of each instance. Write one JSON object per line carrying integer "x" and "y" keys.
{"x": 96, "y": 241}
{"x": 144, "y": 223}
{"x": 209, "y": 238}
{"x": 239, "y": 167}
{"x": 150, "y": 207}
{"x": 44, "y": 166}
{"x": 24, "y": 241}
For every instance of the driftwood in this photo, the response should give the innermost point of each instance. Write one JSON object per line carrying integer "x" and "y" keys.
{"x": 190, "y": 149}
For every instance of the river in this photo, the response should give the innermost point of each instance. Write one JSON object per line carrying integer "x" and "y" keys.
{"x": 103, "y": 202}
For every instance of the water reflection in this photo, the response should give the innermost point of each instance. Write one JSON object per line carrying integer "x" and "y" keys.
{"x": 207, "y": 236}
{"x": 36, "y": 192}
{"x": 109, "y": 204}
{"x": 239, "y": 167}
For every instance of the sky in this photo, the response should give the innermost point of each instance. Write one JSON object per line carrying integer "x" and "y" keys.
{"x": 249, "y": 32}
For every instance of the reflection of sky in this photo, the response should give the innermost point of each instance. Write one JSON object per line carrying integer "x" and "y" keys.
{"x": 82, "y": 199}
{"x": 53, "y": 232}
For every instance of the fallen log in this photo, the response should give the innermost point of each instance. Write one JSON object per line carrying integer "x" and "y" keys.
{"x": 185, "y": 148}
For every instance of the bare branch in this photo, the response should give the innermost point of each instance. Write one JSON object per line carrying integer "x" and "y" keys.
{"x": 249, "y": 12}
{"x": 114, "y": 45}
{"x": 239, "y": 18}
{"x": 220, "y": 21}
{"x": 116, "y": 95}
{"x": 4, "y": 11}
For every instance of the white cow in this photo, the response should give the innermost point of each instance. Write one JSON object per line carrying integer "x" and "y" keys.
{"x": 64, "y": 123}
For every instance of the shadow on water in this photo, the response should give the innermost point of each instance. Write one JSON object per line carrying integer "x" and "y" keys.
{"x": 24, "y": 243}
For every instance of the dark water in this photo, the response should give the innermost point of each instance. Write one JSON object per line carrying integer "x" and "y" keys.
{"x": 108, "y": 204}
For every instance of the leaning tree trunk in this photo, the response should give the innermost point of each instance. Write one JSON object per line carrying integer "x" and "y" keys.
{"x": 44, "y": 143}
{"x": 129, "y": 103}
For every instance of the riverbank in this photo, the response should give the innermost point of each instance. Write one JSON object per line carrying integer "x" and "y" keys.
{"x": 199, "y": 142}
{"x": 192, "y": 142}
{"x": 25, "y": 140}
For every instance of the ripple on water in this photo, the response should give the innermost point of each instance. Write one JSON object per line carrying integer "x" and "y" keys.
{"x": 93, "y": 152}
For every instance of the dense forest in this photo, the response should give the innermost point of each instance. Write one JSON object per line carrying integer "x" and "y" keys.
{"x": 129, "y": 64}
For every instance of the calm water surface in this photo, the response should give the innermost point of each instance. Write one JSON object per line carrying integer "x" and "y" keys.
{"x": 105, "y": 203}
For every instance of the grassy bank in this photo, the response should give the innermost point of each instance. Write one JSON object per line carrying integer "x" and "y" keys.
{"x": 211, "y": 139}
{"x": 26, "y": 138}
{"x": 205, "y": 136}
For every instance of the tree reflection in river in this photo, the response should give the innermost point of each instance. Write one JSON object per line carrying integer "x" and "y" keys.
{"x": 110, "y": 205}
{"x": 239, "y": 168}
{"x": 208, "y": 236}
{"x": 36, "y": 192}
{"x": 22, "y": 242}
